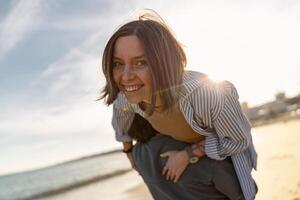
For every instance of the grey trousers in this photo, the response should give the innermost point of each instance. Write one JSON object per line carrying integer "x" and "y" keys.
{"x": 208, "y": 179}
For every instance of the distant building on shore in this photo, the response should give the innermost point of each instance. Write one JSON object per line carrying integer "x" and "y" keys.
{"x": 281, "y": 105}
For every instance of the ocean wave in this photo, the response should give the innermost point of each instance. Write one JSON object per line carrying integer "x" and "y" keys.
{"x": 75, "y": 185}
{"x": 63, "y": 177}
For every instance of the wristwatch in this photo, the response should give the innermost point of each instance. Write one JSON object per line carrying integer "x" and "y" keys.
{"x": 192, "y": 157}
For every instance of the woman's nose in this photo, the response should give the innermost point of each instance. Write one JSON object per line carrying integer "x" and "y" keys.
{"x": 127, "y": 73}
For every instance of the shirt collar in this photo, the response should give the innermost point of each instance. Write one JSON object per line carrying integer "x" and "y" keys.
{"x": 191, "y": 80}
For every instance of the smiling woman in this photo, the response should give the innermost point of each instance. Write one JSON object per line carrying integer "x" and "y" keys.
{"x": 193, "y": 140}
{"x": 130, "y": 69}
{"x": 145, "y": 50}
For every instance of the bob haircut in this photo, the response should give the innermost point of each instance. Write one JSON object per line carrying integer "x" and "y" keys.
{"x": 163, "y": 53}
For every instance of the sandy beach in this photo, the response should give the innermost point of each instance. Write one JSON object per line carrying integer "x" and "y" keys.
{"x": 277, "y": 175}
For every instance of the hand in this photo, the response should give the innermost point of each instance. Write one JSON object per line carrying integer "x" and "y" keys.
{"x": 129, "y": 156}
{"x": 176, "y": 164}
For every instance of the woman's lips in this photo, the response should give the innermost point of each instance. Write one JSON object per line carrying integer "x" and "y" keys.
{"x": 132, "y": 88}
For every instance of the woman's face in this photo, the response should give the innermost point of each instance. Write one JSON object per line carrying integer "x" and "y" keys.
{"x": 130, "y": 70}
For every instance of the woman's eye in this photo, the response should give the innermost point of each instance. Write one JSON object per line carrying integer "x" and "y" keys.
{"x": 117, "y": 64}
{"x": 141, "y": 63}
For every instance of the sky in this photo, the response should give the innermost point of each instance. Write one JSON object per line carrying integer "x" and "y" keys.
{"x": 50, "y": 65}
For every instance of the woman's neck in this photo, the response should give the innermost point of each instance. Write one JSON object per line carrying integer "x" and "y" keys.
{"x": 147, "y": 104}
{"x": 144, "y": 106}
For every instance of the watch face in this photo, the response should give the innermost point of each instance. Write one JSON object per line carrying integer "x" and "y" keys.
{"x": 194, "y": 159}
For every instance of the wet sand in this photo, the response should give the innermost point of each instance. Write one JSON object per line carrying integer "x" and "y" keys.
{"x": 277, "y": 177}
{"x": 123, "y": 187}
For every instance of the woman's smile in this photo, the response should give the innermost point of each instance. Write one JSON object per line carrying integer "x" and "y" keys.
{"x": 132, "y": 88}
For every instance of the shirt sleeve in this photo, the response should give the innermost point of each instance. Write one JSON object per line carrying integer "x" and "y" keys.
{"x": 121, "y": 120}
{"x": 222, "y": 112}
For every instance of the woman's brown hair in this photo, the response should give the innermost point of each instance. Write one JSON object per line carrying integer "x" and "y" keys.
{"x": 141, "y": 130}
{"x": 164, "y": 54}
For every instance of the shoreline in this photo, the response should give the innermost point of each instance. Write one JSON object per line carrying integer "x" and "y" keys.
{"x": 124, "y": 187}
{"x": 109, "y": 152}
{"x": 113, "y": 151}
{"x": 76, "y": 185}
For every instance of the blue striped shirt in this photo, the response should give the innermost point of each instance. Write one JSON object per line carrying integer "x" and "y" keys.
{"x": 213, "y": 110}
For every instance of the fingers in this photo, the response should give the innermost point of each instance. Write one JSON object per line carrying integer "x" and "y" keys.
{"x": 176, "y": 179}
{"x": 165, "y": 170}
{"x": 173, "y": 176}
{"x": 174, "y": 167}
{"x": 168, "y": 177}
{"x": 166, "y": 154}
{"x": 170, "y": 174}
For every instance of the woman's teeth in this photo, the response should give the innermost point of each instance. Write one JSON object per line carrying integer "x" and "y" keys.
{"x": 132, "y": 88}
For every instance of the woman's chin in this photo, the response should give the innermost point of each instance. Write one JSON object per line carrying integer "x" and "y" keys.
{"x": 133, "y": 100}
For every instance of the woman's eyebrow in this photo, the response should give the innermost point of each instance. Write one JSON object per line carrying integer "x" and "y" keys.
{"x": 138, "y": 57}
{"x": 134, "y": 58}
{"x": 116, "y": 58}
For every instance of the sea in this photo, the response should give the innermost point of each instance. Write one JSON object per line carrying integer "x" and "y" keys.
{"x": 55, "y": 179}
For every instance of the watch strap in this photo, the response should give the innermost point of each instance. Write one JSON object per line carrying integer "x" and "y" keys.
{"x": 201, "y": 145}
{"x": 192, "y": 157}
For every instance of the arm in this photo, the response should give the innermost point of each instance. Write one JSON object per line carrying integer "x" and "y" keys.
{"x": 232, "y": 129}
{"x": 198, "y": 149}
{"x": 121, "y": 121}
{"x": 127, "y": 148}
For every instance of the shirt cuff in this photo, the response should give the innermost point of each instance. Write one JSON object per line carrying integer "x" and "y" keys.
{"x": 211, "y": 148}
{"x": 123, "y": 138}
